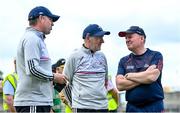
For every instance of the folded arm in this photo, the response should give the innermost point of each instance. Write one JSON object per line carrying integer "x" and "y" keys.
{"x": 145, "y": 77}
{"x": 124, "y": 84}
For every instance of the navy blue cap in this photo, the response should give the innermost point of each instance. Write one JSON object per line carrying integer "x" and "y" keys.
{"x": 94, "y": 30}
{"x": 40, "y": 10}
{"x": 132, "y": 29}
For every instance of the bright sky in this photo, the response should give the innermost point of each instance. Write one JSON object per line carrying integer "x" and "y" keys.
{"x": 159, "y": 18}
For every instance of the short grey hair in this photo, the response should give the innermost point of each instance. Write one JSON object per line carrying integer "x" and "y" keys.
{"x": 33, "y": 21}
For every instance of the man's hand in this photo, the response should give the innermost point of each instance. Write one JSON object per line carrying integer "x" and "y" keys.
{"x": 151, "y": 68}
{"x": 60, "y": 78}
{"x": 124, "y": 84}
{"x": 9, "y": 100}
{"x": 145, "y": 77}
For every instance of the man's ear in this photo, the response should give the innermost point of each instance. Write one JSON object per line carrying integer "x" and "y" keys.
{"x": 40, "y": 17}
{"x": 142, "y": 38}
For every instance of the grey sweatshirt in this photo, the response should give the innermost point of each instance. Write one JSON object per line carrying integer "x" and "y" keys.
{"x": 34, "y": 70}
{"x": 87, "y": 73}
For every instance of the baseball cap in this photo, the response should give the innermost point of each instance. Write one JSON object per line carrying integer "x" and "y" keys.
{"x": 94, "y": 30}
{"x": 40, "y": 10}
{"x": 60, "y": 62}
{"x": 132, "y": 29}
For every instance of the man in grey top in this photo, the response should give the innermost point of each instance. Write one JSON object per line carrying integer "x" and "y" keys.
{"x": 87, "y": 72}
{"x": 34, "y": 88}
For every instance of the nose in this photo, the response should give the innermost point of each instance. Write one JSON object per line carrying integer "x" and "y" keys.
{"x": 52, "y": 24}
{"x": 127, "y": 39}
{"x": 102, "y": 40}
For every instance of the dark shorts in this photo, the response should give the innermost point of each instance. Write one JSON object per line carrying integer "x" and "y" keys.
{"x": 32, "y": 109}
{"x": 112, "y": 111}
{"x": 156, "y": 106}
{"x": 89, "y": 110}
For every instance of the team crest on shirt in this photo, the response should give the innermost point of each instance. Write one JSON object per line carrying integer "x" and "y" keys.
{"x": 130, "y": 67}
{"x": 146, "y": 65}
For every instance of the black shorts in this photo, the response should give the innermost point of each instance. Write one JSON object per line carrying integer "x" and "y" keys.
{"x": 89, "y": 110}
{"x": 32, "y": 109}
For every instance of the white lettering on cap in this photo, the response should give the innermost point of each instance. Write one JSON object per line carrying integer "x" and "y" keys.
{"x": 138, "y": 32}
{"x": 41, "y": 13}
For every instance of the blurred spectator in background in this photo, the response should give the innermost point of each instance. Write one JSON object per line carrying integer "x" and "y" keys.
{"x": 113, "y": 97}
{"x": 9, "y": 87}
{"x": 57, "y": 68}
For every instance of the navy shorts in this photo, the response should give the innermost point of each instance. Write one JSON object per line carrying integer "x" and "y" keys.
{"x": 156, "y": 106}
